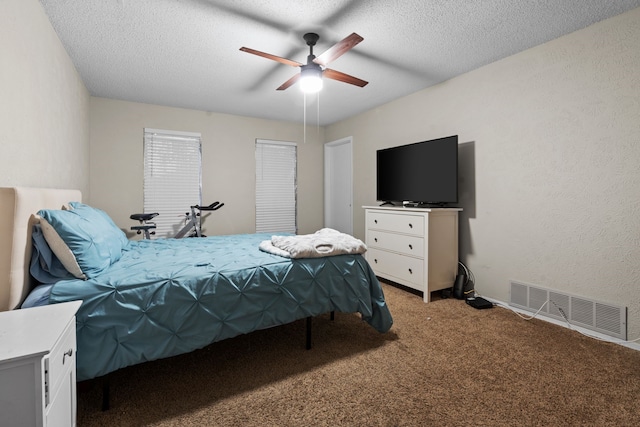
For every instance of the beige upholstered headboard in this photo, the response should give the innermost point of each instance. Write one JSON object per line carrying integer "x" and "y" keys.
{"x": 17, "y": 205}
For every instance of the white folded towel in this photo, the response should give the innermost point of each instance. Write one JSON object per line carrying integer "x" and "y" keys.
{"x": 324, "y": 242}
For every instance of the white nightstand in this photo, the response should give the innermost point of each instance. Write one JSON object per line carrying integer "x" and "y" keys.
{"x": 38, "y": 366}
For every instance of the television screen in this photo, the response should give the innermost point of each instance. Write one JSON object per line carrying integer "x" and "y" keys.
{"x": 424, "y": 172}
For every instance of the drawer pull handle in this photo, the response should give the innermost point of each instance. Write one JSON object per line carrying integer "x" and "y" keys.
{"x": 375, "y": 260}
{"x": 410, "y": 246}
{"x": 410, "y": 272}
{"x": 410, "y": 225}
{"x": 375, "y": 220}
{"x": 375, "y": 239}
{"x": 67, "y": 353}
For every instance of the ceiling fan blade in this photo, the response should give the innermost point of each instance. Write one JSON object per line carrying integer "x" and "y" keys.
{"x": 342, "y": 77}
{"x": 338, "y": 49}
{"x": 272, "y": 57}
{"x": 289, "y": 82}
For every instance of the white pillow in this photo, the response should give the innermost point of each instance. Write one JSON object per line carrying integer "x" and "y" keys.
{"x": 60, "y": 249}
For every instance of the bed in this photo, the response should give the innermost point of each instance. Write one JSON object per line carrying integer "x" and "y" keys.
{"x": 151, "y": 299}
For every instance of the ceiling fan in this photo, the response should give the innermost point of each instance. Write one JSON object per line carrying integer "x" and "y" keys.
{"x": 311, "y": 73}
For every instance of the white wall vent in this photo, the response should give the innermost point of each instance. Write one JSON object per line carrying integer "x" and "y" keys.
{"x": 597, "y": 316}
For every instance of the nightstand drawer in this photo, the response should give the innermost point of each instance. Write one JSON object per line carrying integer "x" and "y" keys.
{"x": 406, "y": 270}
{"x": 407, "y": 224}
{"x": 409, "y": 245}
{"x": 62, "y": 358}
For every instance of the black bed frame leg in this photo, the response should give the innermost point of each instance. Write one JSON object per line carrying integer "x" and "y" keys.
{"x": 105, "y": 393}
{"x": 308, "y": 337}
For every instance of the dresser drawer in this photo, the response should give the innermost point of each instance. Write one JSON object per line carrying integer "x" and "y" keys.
{"x": 398, "y": 223}
{"x": 62, "y": 358}
{"x": 406, "y": 270}
{"x": 409, "y": 245}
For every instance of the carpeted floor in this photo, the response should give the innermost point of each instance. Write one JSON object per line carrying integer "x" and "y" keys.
{"x": 442, "y": 364}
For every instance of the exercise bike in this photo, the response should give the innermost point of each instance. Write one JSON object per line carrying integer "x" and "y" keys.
{"x": 191, "y": 228}
{"x": 193, "y": 220}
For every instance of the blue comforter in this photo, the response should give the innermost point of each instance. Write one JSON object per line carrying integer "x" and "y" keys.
{"x": 166, "y": 297}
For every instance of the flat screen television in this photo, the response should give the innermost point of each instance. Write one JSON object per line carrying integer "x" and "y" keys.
{"x": 423, "y": 173}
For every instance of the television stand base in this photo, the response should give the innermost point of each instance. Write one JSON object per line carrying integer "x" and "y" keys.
{"x": 423, "y": 205}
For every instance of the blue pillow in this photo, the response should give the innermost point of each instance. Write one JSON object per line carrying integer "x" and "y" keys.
{"x": 89, "y": 236}
{"x": 94, "y": 213}
{"x": 38, "y": 297}
{"x": 45, "y": 266}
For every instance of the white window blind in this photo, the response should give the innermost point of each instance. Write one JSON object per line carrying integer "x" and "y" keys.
{"x": 275, "y": 186}
{"x": 172, "y": 177}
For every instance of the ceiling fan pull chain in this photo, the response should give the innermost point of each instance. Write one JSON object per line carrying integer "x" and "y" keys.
{"x": 318, "y": 113}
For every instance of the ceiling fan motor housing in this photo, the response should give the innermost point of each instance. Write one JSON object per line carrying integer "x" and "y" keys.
{"x": 311, "y": 73}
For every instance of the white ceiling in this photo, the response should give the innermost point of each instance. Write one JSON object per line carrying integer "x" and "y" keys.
{"x": 185, "y": 53}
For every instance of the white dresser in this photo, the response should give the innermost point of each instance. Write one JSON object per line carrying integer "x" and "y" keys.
{"x": 38, "y": 366}
{"x": 414, "y": 247}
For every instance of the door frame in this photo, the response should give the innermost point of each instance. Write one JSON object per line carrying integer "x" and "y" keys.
{"x": 327, "y": 168}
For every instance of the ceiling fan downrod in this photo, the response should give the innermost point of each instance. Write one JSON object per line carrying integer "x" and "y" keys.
{"x": 311, "y": 39}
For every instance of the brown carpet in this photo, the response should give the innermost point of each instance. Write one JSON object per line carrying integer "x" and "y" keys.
{"x": 442, "y": 364}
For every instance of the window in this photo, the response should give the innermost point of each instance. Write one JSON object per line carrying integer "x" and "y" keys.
{"x": 172, "y": 177}
{"x": 275, "y": 186}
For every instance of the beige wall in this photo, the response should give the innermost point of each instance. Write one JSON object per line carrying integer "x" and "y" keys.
{"x": 44, "y": 119}
{"x": 228, "y": 172}
{"x": 550, "y": 148}
{"x": 549, "y": 152}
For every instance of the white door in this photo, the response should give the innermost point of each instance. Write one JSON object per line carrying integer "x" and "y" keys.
{"x": 338, "y": 185}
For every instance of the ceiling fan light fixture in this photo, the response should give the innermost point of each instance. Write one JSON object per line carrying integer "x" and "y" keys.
{"x": 315, "y": 70}
{"x": 310, "y": 79}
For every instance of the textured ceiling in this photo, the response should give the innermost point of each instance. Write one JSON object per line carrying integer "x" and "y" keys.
{"x": 185, "y": 53}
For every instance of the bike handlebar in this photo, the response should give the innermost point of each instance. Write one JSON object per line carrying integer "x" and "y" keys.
{"x": 212, "y": 207}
